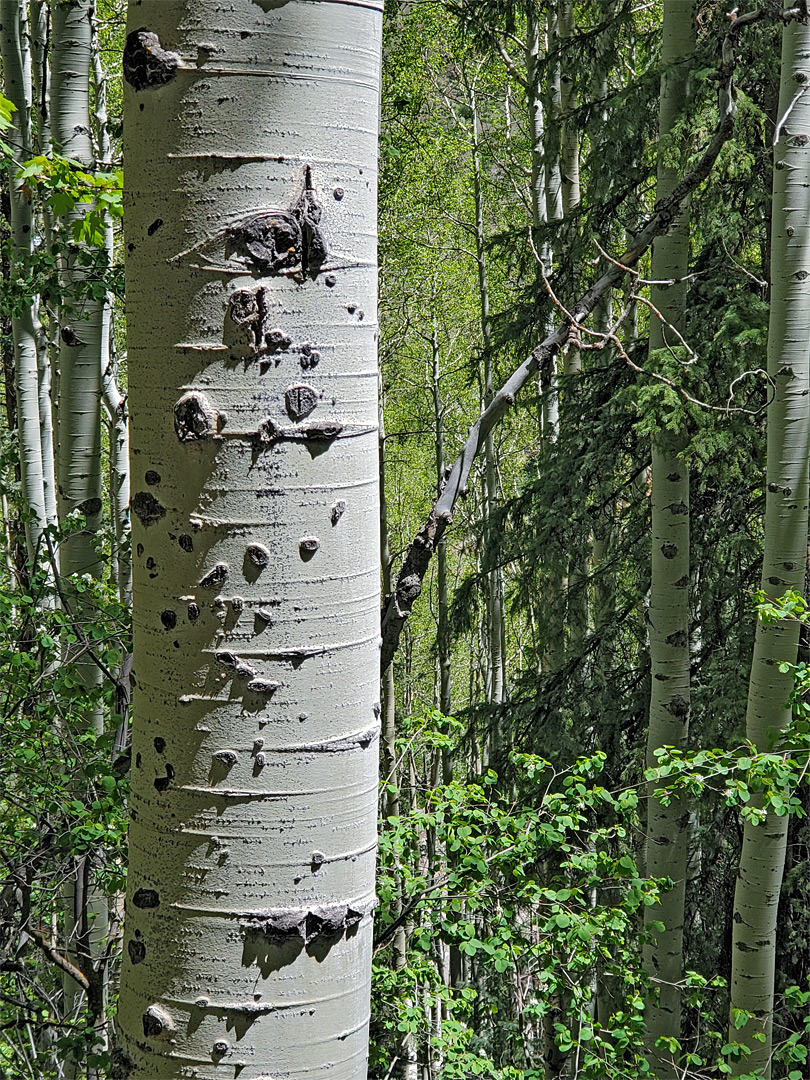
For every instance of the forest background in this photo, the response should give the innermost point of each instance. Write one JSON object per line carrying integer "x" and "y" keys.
{"x": 547, "y": 908}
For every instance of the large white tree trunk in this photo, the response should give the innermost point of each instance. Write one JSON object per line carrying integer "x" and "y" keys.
{"x": 253, "y": 384}
{"x": 756, "y": 897}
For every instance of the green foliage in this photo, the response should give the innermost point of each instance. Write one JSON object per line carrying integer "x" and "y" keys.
{"x": 91, "y": 200}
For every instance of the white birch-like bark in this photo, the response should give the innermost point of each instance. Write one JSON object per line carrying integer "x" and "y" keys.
{"x": 667, "y": 826}
{"x": 17, "y": 87}
{"x": 756, "y": 898}
{"x": 253, "y": 385}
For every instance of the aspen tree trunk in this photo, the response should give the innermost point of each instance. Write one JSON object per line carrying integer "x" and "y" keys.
{"x": 667, "y": 826}
{"x": 251, "y": 132}
{"x": 17, "y": 87}
{"x": 443, "y": 642}
{"x": 762, "y": 860}
{"x": 494, "y": 575}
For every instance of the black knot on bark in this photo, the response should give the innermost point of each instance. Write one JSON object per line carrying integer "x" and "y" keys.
{"x": 146, "y": 63}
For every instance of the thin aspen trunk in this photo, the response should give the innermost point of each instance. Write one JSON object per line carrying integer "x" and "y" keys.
{"x": 18, "y": 89}
{"x": 668, "y": 826}
{"x": 251, "y": 351}
{"x": 756, "y": 897}
{"x": 569, "y": 140}
{"x": 494, "y": 574}
{"x": 443, "y": 644}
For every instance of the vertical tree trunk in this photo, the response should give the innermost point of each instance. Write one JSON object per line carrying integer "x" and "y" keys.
{"x": 762, "y": 860}
{"x": 251, "y": 274}
{"x": 667, "y": 826}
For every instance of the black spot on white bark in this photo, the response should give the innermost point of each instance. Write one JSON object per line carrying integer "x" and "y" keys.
{"x": 193, "y": 612}
{"x": 215, "y": 577}
{"x": 146, "y": 898}
{"x": 307, "y": 546}
{"x": 258, "y": 555}
{"x": 157, "y": 1023}
{"x": 146, "y": 507}
{"x": 337, "y": 511}
{"x": 147, "y": 65}
{"x": 300, "y": 400}
{"x": 162, "y": 782}
{"x": 263, "y": 686}
{"x": 169, "y": 619}
{"x": 137, "y": 951}
{"x": 152, "y": 477}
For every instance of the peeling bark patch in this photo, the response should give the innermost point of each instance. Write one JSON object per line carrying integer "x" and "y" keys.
{"x": 162, "y": 782}
{"x": 137, "y": 951}
{"x": 147, "y": 508}
{"x": 169, "y": 619}
{"x": 258, "y": 555}
{"x": 300, "y": 401}
{"x": 152, "y": 477}
{"x": 195, "y": 418}
{"x": 146, "y": 898}
{"x": 146, "y": 64}
{"x": 215, "y": 577}
{"x": 185, "y": 542}
{"x": 337, "y": 511}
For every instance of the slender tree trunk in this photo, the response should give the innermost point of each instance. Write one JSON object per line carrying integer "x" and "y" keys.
{"x": 18, "y": 89}
{"x": 667, "y": 826}
{"x": 762, "y": 860}
{"x": 251, "y": 277}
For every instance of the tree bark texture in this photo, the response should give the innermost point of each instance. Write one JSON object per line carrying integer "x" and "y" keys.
{"x": 759, "y": 881}
{"x": 250, "y": 146}
{"x": 667, "y": 826}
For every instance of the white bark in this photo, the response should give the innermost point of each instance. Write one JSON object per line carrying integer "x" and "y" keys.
{"x": 762, "y": 860}
{"x": 256, "y": 533}
{"x": 667, "y": 826}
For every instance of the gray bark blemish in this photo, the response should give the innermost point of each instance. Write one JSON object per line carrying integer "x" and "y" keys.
{"x": 265, "y": 616}
{"x": 237, "y": 603}
{"x": 153, "y": 228}
{"x": 258, "y": 555}
{"x": 338, "y": 194}
{"x": 157, "y": 1023}
{"x": 225, "y": 757}
{"x": 185, "y": 542}
{"x": 248, "y": 312}
{"x": 139, "y": 550}
{"x": 152, "y": 477}
{"x": 137, "y": 951}
{"x": 275, "y": 339}
{"x": 146, "y": 898}
{"x": 337, "y": 511}
{"x": 169, "y": 619}
{"x": 220, "y": 1048}
{"x": 309, "y": 358}
{"x": 263, "y": 686}
{"x": 330, "y": 281}
{"x": 193, "y": 612}
{"x": 300, "y": 400}
{"x": 669, "y": 551}
{"x": 146, "y": 64}
{"x": 195, "y": 418}
{"x": 146, "y": 507}
{"x": 317, "y": 860}
{"x": 307, "y": 546}
{"x": 215, "y": 577}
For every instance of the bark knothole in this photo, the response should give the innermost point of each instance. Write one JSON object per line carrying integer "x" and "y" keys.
{"x": 249, "y": 315}
{"x": 317, "y": 860}
{"x": 151, "y": 477}
{"x": 162, "y": 782}
{"x": 300, "y": 401}
{"x": 169, "y": 619}
{"x": 338, "y": 194}
{"x": 147, "y": 65}
{"x": 185, "y": 542}
{"x": 147, "y": 509}
{"x": 307, "y": 546}
{"x": 225, "y": 757}
{"x": 220, "y": 1048}
{"x": 271, "y": 241}
{"x": 330, "y": 281}
{"x": 193, "y": 612}
{"x": 215, "y": 577}
{"x": 309, "y": 926}
{"x": 323, "y": 431}
{"x": 146, "y": 898}
{"x": 263, "y": 686}
{"x": 258, "y": 555}
{"x": 195, "y": 418}
{"x": 669, "y": 551}
{"x": 677, "y": 640}
{"x": 678, "y": 706}
{"x": 158, "y": 1023}
{"x": 337, "y": 511}
{"x": 310, "y": 357}
{"x": 159, "y": 744}
{"x": 260, "y": 760}
{"x": 137, "y": 951}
